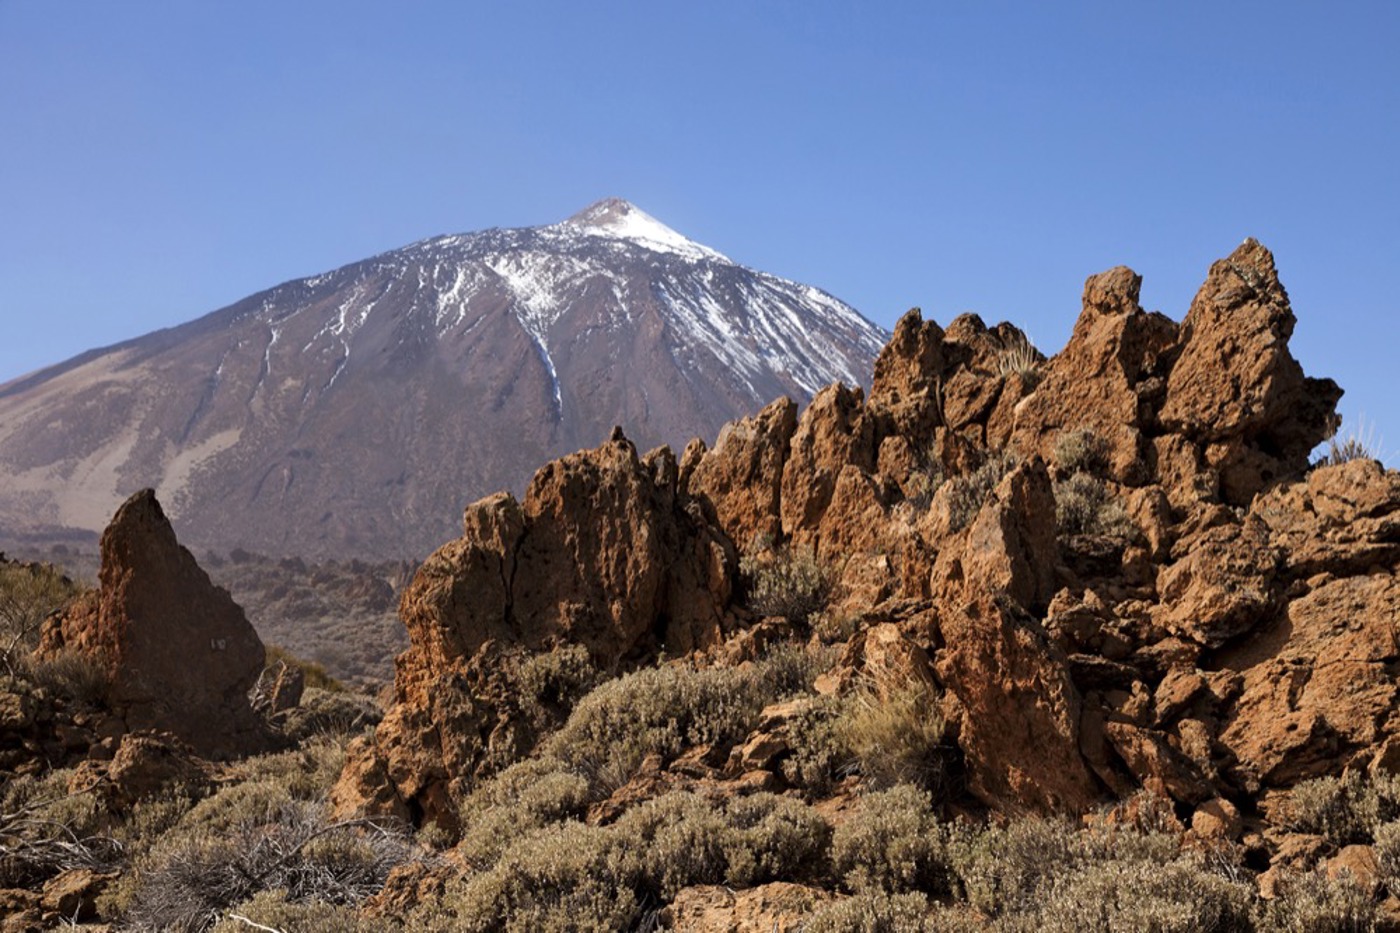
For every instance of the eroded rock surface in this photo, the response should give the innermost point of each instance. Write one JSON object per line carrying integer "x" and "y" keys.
{"x": 175, "y": 651}
{"x": 1214, "y": 622}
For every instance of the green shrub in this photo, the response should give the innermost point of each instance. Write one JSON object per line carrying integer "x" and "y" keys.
{"x": 250, "y": 803}
{"x": 1344, "y": 809}
{"x": 272, "y": 910}
{"x": 659, "y": 710}
{"x": 307, "y": 772}
{"x": 1387, "y": 836}
{"x": 330, "y": 713}
{"x": 774, "y": 839}
{"x": 550, "y": 683}
{"x": 787, "y": 581}
{"x": 892, "y": 843}
{"x": 1081, "y": 451}
{"x": 871, "y": 912}
{"x": 568, "y": 876}
{"x": 1127, "y": 895}
{"x": 819, "y": 755}
{"x": 1000, "y": 869}
{"x": 683, "y": 839}
{"x": 29, "y": 593}
{"x": 1312, "y": 903}
{"x": 1085, "y": 506}
{"x": 789, "y": 668}
{"x": 966, "y": 493}
{"x": 527, "y": 796}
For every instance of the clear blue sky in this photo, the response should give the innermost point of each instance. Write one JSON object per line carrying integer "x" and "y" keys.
{"x": 159, "y": 160}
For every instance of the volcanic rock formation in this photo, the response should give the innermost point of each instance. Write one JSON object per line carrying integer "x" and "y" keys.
{"x": 174, "y": 652}
{"x": 1113, "y": 566}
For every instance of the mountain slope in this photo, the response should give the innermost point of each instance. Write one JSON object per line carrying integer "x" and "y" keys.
{"x": 346, "y": 414}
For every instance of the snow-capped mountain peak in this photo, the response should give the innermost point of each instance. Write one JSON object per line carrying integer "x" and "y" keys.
{"x": 620, "y": 220}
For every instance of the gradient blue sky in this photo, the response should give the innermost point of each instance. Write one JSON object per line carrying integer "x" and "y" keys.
{"x": 159, "y": 160}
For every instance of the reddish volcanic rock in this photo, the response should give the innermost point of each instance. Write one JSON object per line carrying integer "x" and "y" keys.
{"x": 1231, "y": 630}
{"x": 742, "y": 476}
{"x": 1236, "y": 390}
{"x": 177, "y": 652}
{"x": 603, "y": 553}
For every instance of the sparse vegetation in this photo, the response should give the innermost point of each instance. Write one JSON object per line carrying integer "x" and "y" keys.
{"x": 897, "y": 738}
{"x": 1081, "y": 451}
{"x": 191, "y": 881}
{"x": 1018, "y": 356}
{"x": 1085, "y": 506}
{"x": 1360, "y": 443}
{"x": 966, "y": 493}
{"x": 29, "y": 594}
{"x": 787, "y": 581}
{"x": 1084, "y": 503}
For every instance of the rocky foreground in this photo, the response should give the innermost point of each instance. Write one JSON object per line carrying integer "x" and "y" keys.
{"x": 1070, "y": 643}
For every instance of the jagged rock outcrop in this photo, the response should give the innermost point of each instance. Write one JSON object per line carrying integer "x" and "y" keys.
{"x": 1235, "y": 390}
{"x": 604, "y": 552}
{"x": 174, "y": 651}
{"x": 1192, "y": 611}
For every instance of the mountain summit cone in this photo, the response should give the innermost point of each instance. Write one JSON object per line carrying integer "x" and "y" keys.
{"x": 350, "y": 414}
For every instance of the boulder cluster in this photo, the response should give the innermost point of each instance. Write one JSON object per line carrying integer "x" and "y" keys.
{"x": 1115, "y": 564}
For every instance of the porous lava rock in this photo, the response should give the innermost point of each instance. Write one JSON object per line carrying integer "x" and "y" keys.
{"x": 174, "y": 651}
{"x": 604, "y": 552}
{"x": 1235, "y": 390}
{"x": 1230, "y": 633}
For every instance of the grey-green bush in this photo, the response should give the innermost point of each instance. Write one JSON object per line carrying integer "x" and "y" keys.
{"x": 893, "y": 843}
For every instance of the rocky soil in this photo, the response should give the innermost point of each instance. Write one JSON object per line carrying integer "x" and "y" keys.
{"x": 1103, "y": 590}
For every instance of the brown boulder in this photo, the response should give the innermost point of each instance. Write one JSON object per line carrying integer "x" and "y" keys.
{"x": 1236, "y": 391}
{"x": 176, "y": 651}
{"x": 1226, "y": 583}
{"x": 1010, "y": 546}
{"x": 1315, "y": 686}
{"x": 906, "y": 392}
{"x": 742, "y": 476}
{"x": 833, "y": 432}
{"x": 1020, "y": 725}
{"x": 1106, "y": 379}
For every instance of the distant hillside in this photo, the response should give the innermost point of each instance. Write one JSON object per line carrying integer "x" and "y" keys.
{"x": 355, "y": 413}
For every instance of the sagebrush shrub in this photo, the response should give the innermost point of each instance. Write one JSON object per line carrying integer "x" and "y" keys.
{"x": 787, "y": 581}
{"x": 1310, "y": 902}
{"x": 966, "y": 493}
{"x": 871, "y": 912}
{"x": 567, "y": 876}
{"x": 1085, "y": 506}
{"x": 893, "y": 843}
{"x": 1081, "y": 451}
{"x": 659, "y": 710}
{"x": 1128, "y": 895}
{"x": 526, "y": 796}
{"x": 272, "y": 910}
{"x": 1345, "y": 809}
{"x": 819, "y": 755}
